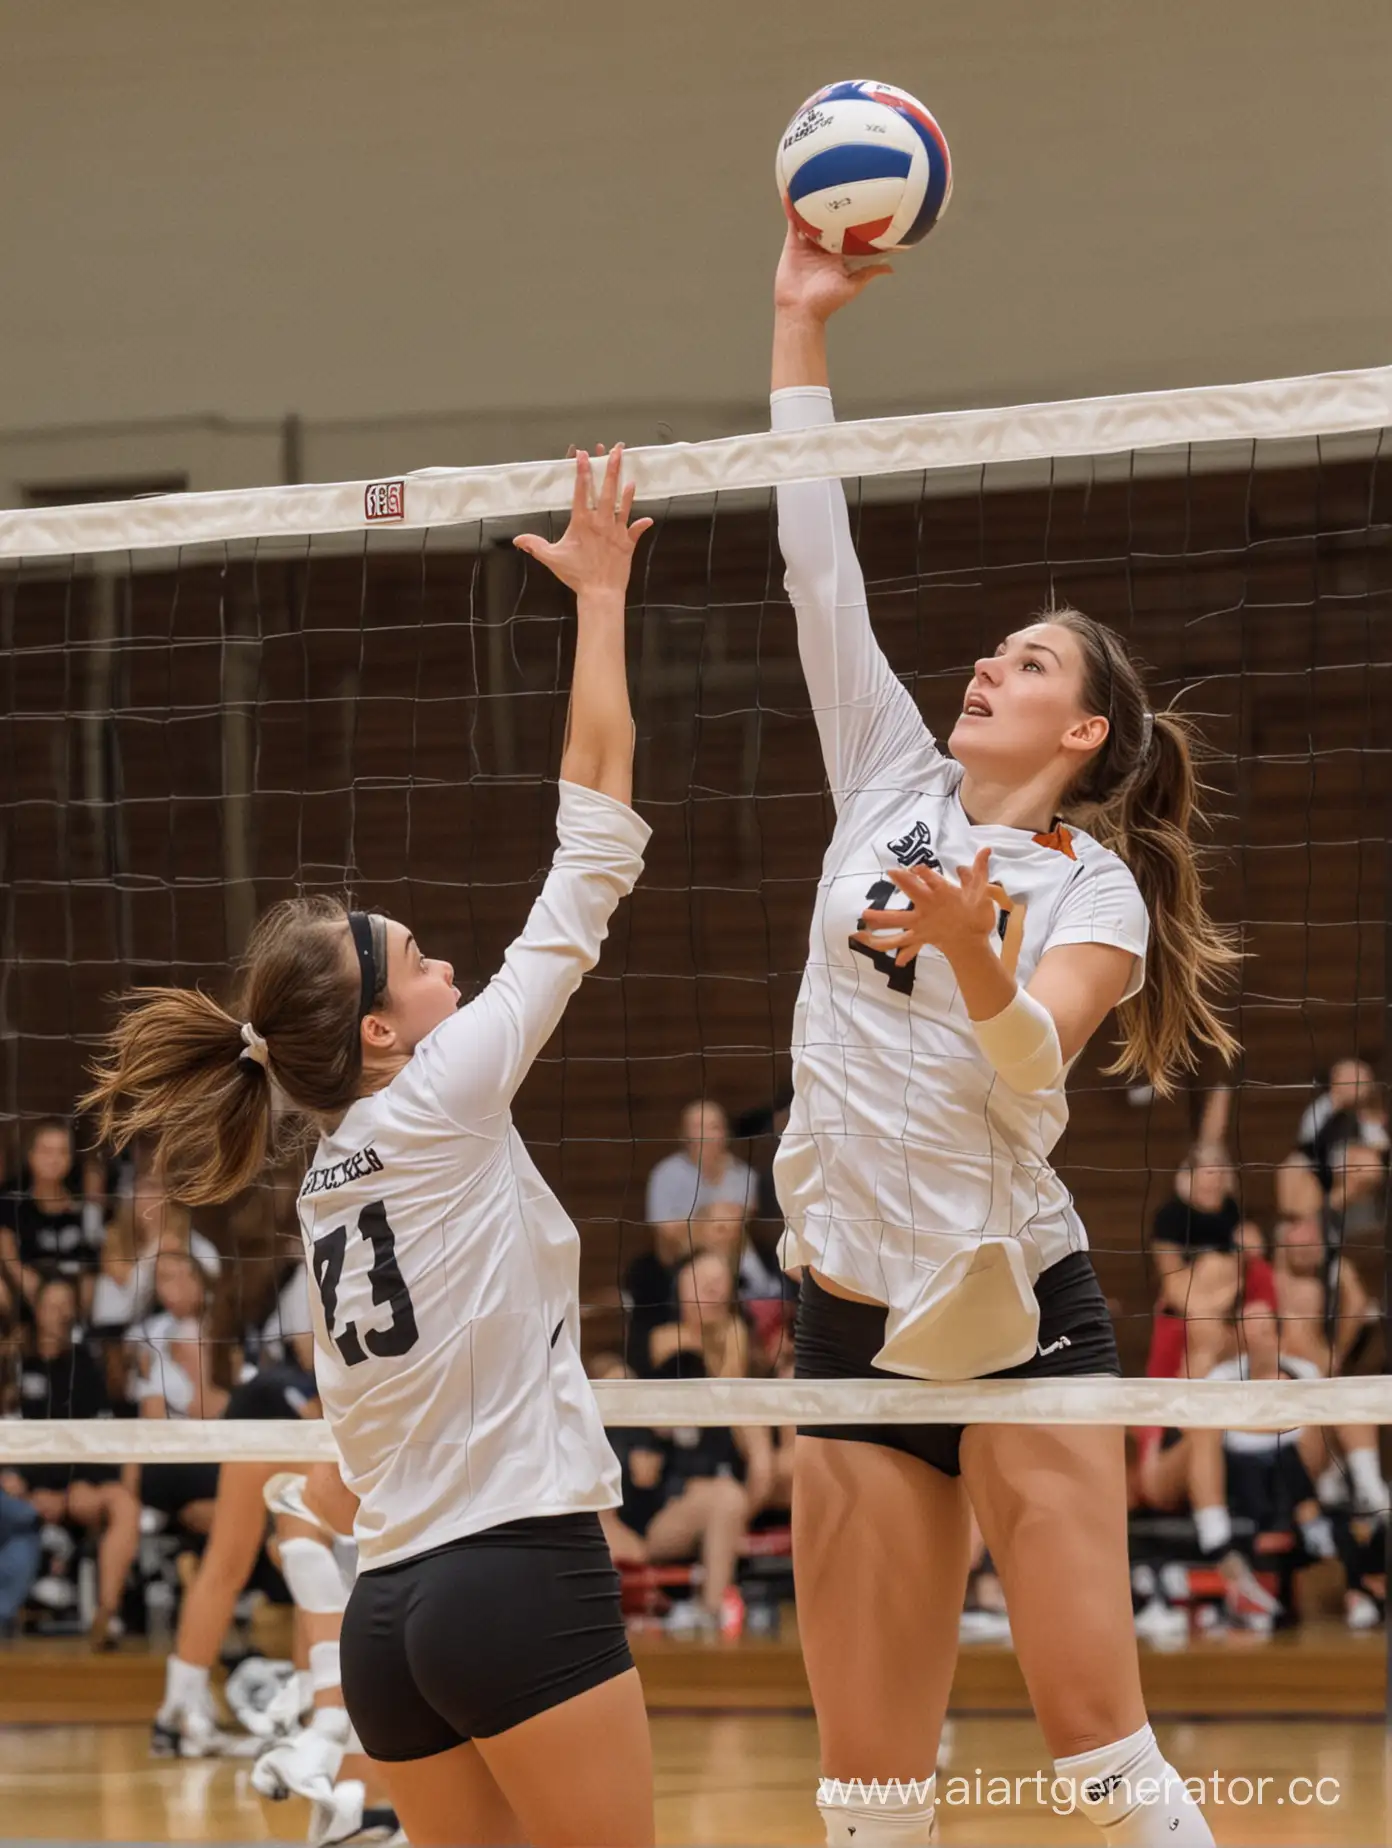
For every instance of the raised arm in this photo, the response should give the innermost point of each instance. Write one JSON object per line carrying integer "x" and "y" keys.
{"x": 867, "y": 719}
{"x": 478, "y": 1058}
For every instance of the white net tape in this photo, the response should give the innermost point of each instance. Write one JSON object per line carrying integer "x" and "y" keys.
{"x": 1324, "y": 405}
{"x": 1276, "y": 1405}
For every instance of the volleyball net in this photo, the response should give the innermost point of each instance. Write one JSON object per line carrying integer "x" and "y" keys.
{"x": 213, "y": 701}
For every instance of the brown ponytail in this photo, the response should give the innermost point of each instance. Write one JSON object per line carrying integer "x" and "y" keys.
{"x": 1140, "y": 794}
{"x": 176, "y": 1070}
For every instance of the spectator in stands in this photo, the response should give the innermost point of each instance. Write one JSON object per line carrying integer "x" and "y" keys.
{"x": 19, "y": 1556}
{"x": 723, "y": 1227}
{"x": 650, "y": 1292}
{"x": 697, "y": 1175}
{"x": 763, "y": 1293}
{"x": 45, "y": 1231}
{"x": 59, "y": 1379}
{"x": 701, "y": 1171}
{"x": 146, "y": 1222}
{"x": 180, "y": 1372}
{"x": 682, "y": 1499}
{"x": 1323, "y": 1306}
{"x": 1258, "y": 1279}
{"x": 1194, "y": 1247}
{"x": 1273, "y": 1481}
{"x": 708, "y": 1325}
{"x": 1352, "y": 1110}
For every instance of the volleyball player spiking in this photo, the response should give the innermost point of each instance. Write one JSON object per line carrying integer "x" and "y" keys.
{"x": 484, "y": 1659}
{"x": 933, "y": 1036}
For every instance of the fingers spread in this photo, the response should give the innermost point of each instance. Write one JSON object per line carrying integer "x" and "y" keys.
{"x": 583, "y": 499}
{"x": 609, "y": 493}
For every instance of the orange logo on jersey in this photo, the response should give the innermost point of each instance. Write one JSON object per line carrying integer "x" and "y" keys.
{"x": 1059, "y": 838}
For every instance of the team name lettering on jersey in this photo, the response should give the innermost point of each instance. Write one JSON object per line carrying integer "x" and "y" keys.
{"x": 916, "y": 848}
{"x": 352, "y": 1168}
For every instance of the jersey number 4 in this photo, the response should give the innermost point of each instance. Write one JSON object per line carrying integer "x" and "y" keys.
{"x": 388, "y": 1286}
{"x": 1010, "y": 928}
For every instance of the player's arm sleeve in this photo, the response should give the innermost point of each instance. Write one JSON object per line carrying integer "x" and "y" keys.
{"x": 1103, "y": 905}
{"x": 475, "y": 1062}
{"x": 866, "y": 717}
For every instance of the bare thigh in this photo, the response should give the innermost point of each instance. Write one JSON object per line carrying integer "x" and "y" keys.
{"x": 1052, "y": 1506}
{"x": 677, "y": 1527}
{"x": 1164, "y": 1476}
{"x": 580, "y": 1774}
{"x": 451, "y": 1799}
{"x": 881, "y": 1548}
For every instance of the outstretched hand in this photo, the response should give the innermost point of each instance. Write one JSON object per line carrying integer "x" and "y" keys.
{"x": 942, "y": 913}
{"x": 815, "y": 283}
{"x": 595, "y": 552}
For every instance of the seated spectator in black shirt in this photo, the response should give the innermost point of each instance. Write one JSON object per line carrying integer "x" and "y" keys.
{"x": 44, "y": 1231}
{"x": 684, "y": 1497}
{"x": 650, "y": 1292}
{"x": 59, "y": 1379}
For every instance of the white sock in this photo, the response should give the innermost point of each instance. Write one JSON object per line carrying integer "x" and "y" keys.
{"x": 1318, "y": 1536}
{"x": 1214, "y": 1528}
{"x": 1133, "y": 1796}
{"x": 185, "y": 1686}
{"x": 893, "y": 1814}
{"x": 1366, "y": 1473}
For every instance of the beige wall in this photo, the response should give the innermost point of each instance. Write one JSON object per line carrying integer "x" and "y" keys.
{"x": 536, "y": 213}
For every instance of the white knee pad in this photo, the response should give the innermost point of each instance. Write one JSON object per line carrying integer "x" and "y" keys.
{"x": 894, "y": 1814}
{"x": 324, "y": 1670}
{"x": 1133, "y": 1796}
{"x": 311, "y": 1572}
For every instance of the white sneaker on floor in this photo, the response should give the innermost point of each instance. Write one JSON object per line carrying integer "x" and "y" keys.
{"x": 344, "y": 1818}
{"x": 1361, "y": 1612}
{"x": 195, "y": 1733}
{"x": 690, "y": 1618}
{"x": 1159, "y": 1624}
{"x": 307, "y": 1763}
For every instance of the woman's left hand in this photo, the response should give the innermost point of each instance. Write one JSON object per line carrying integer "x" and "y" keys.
{"x": 942, "y": 913}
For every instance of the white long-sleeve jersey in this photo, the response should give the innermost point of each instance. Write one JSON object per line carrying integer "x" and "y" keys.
{"x": 446, "y": 1313}
{"x": 904, "y": 1147}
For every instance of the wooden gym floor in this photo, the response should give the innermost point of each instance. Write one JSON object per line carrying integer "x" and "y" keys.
{"x": 736, "y": 1748}
{"x": 731, "y": 1778}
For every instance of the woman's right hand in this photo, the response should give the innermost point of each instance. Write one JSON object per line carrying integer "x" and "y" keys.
{"x": 595, "y": 552}
{"x": 811, "y": 283}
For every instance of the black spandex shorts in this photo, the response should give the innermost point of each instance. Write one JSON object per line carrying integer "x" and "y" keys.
{"x": 837, "y": 1340}
{"x": 475, "y": 1637}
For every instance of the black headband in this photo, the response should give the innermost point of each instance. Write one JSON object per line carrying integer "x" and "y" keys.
{"x": 369, "y": 932}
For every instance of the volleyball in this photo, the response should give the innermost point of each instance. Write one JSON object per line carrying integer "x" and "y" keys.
{"x": 863, "y": 168}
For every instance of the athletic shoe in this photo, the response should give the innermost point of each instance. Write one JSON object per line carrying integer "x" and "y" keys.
{"x": 1157, "y": 1623}
{"x": 195, "y": 1733}
{"x": 1361, "y": 1611}
{"x": 307, "y": 1763}
{"x": 344, "y": 1817}
{"x": 689, "y": 1618}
